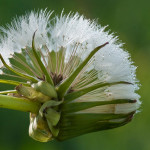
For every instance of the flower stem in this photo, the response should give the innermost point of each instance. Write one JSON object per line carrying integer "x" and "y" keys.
{"x": 20, "y": 104}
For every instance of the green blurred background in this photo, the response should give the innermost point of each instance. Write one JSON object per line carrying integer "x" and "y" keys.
{"x": 130, "y": 20}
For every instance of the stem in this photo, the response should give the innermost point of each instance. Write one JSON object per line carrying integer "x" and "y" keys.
{"x": 20, "y": 104}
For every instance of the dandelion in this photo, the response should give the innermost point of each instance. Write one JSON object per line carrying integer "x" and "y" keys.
{"x": 69, "y": 73}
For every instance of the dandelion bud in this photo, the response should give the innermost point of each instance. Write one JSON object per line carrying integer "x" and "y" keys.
{"x": 72, "y": 76}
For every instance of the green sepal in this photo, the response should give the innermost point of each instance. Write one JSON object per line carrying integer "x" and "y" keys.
{"x": 54, "y": 130}
{"x": 48, "y": 111}
{"x": 74, "y": 95}
{"x": 7, "y": 74}
{"x": 52, "y": 116}
{"x": 67, "y": 132}
{"x": 62, "y": 89}
{"x": 13, "y": 82}
{"x": 78, "y": 106}
{"x": 31, "y": 93}
{"x": 49, "y": 104}
{"x": 30, "y": 78}
{"x": 44, "y": 70}
{"x": 82, "y": 119}
{"x": 45, "y": 88}
{"x": 32, "y": 61}
{"x": 22, "y": 63}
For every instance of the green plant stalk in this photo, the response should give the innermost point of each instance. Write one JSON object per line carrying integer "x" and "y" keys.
{"x": 20, "y": 104}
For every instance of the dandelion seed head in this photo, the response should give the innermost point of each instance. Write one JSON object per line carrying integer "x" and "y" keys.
{"x": 74, "y": 33}
{"x": 63, "y": 43}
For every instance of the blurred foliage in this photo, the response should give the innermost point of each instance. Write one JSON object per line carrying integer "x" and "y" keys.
{"x": 129, "y": 19}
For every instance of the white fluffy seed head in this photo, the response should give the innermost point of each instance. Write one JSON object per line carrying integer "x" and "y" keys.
{"x": 19, "y": 33}
{"x": 79, "y": 36}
